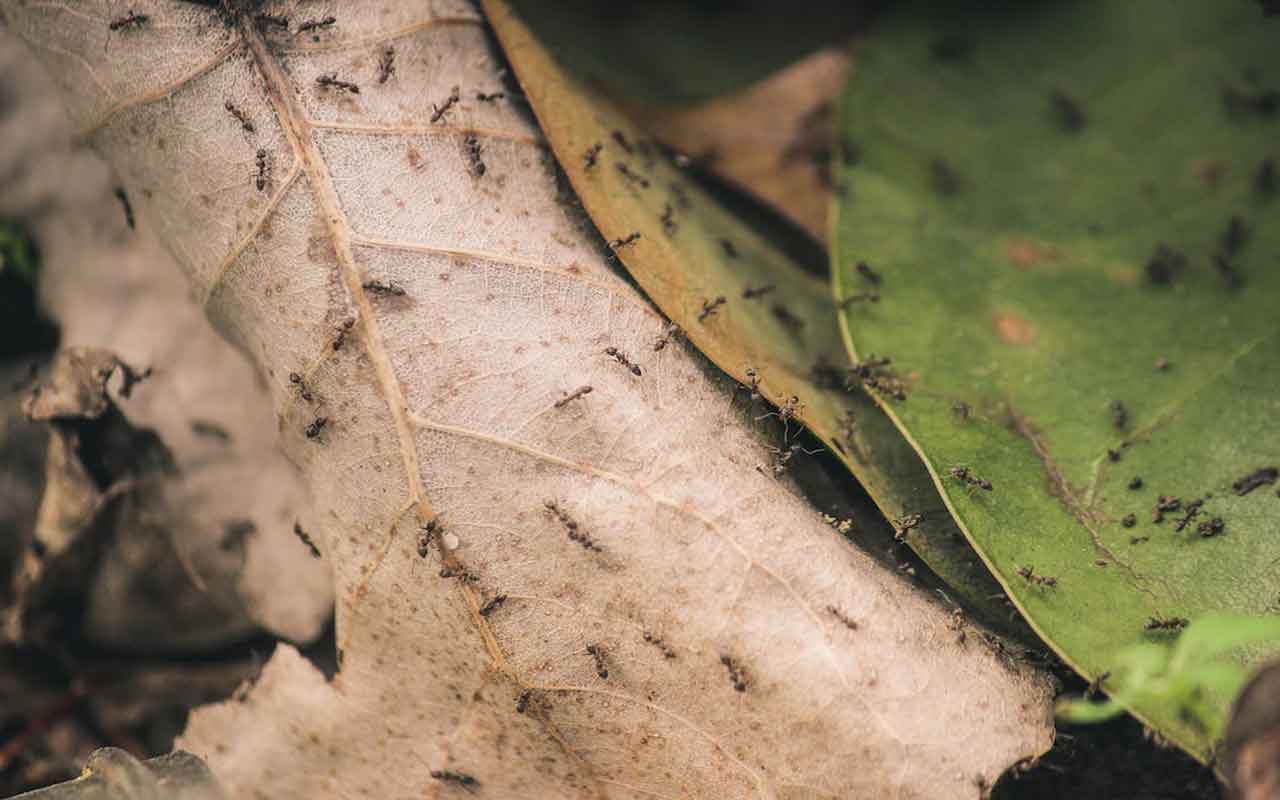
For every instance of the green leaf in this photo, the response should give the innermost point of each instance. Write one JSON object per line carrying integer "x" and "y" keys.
{"x": 1079, "y": 711}
{"x": 1013, "y": 193}
{"x": 690, "y": 250}
{"x": 1215, "y": 634}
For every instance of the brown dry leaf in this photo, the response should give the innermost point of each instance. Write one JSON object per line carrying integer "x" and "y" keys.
{"x": 613, "y": 601}
{"x": 215, "y": 536}
{"x": 773, "y": 138}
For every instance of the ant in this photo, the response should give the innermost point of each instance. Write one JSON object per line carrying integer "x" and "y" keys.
{"x": 522, "y": 702}
{"x": 315, "y": 25}
{"x": 438, "y": 112}
{"x": 622, "y": 142}
{"x": 657, "y": 642}
{"x": 1028, "y": 574}
{"x": 474, "y": 148}
{"x": 964, "y": 475}
{"x": 305, "y": 539}
{"x": 789, "y": 411}
{"x": 843, "y": 616}
{"x": 753, "y": 383}
{"x": 870, "y": 275}
{"x": 1119, "y": 415}
{"x": 618, "y": 244}
{"x": 1158, "y": 623}
{"x": 126, "y": 205}
{"x": 710, "y": 307}
{"x": 244, "y": 120}
{"x": 669, "y": 334}
{"x": 751, "y": 294}
{"x": 378, "y": 287}
{"x": 632, "y": 176}
{"x": 426, "y": 536}
{"x": 317, "y": 425}
{"x": 131, "y": 20}
{"x": 782, "y": 457}
{"x": 1210, "y": 528}
{"x": 1069, "y": 111}
{"x": 386, "y": 65}
{"x": 343, "y": 330}
{"x": 491, "y": 97}
{"x": 790, "y": 321}
{"x": 597, "y": 652}
{"x": 736, "y": 673}
{"x": 590, "y": 157}
{"x": 331, "y": 81}
{"x": 264, "y": 170}
{"x": 571, "y": 526}
{"x": 946, "y": 181}
{"x": 492, "y": 604}
{"x": 622, "y": 359}
{"x": 581, "y": 391}
{"x": 301, "y": 383}
{"x": 460, "y": 778}
{"x": 668, "y": 219}
{"x": 729, "y": 249}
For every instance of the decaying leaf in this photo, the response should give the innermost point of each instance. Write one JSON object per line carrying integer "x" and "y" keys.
{"x": 775, "y": 138}
{"x": 214, "y": 535}
{"x": 1071, "y": 206}
{"x": 747, "y": 304}
{"x": 543, "y": 591}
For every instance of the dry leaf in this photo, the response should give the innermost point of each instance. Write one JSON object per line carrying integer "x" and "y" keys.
{"x": 614, "y": 602}
{"x": 228, "y": 511}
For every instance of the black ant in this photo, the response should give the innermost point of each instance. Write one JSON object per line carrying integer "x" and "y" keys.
{"x": 492, "y": 604}
{"x": 597, "y": 652}
{"x": 843, "y": 616}
{"x": 736, "y": 673}
{"x": 305, "y": 539}
{"x": 522, "y": 702}
{"x": 343, "y": 330}
{"x": 626, "y": 172}
{"x": 710, "y": 307}
{"x": 1255, "y": 479}
{"x": 622, "y": 359}
{"x": 782, "y": 457}
{"x": 264, "y": 170}
{"x": 312, "y": 25}
{"x": 331, "y": 81}
{"x": 386, "y": 65}
{"x": 426, "y": 535}
{"x": 1211, "y": 527}
{"x": 317, "y": 425}
{"x": 668, "y": 219}
{"x": 490, "y": 97}
{"x": 1069, "y": 111}
{"x": 870, "y": 275}
{"x": 787, "y": 412}
{"x": 669, "y": 334}
{"x": 1158, "y": 623}
{"x": 385, "y": 289}
{"x": 303, "y": 391}
{"x": 438, "y": 112}
{"x": 618, "y": 244}
{"x": 1164, "y": 265}
{"x": 729, "y": 249}
{"x": 657, "y": 642}
{"x": 1164, "y": 505}
{"x": 622, "y": 142}
{"x": 1192, "y": 510}
{"x": 1119, "y": 415}
{"x": 571, "y": 526}
{"x": 460, "y": 778}
{"x": 240, "y": 116}
{"x": 964, "y": 475}
{"x": 473, "y": 147}
{"x": 590, "y": 157}
{"x": 581, "y": 391}
{"x": 750, "y": 293}
{"x": 790, "y": 321}
{"x": 126, "y": 205}
{"x": 131, "y": 20}
{"x": 753, "y": 383}
{"x": 1028, "y": 574}
{"x": 1129, "y": 520}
